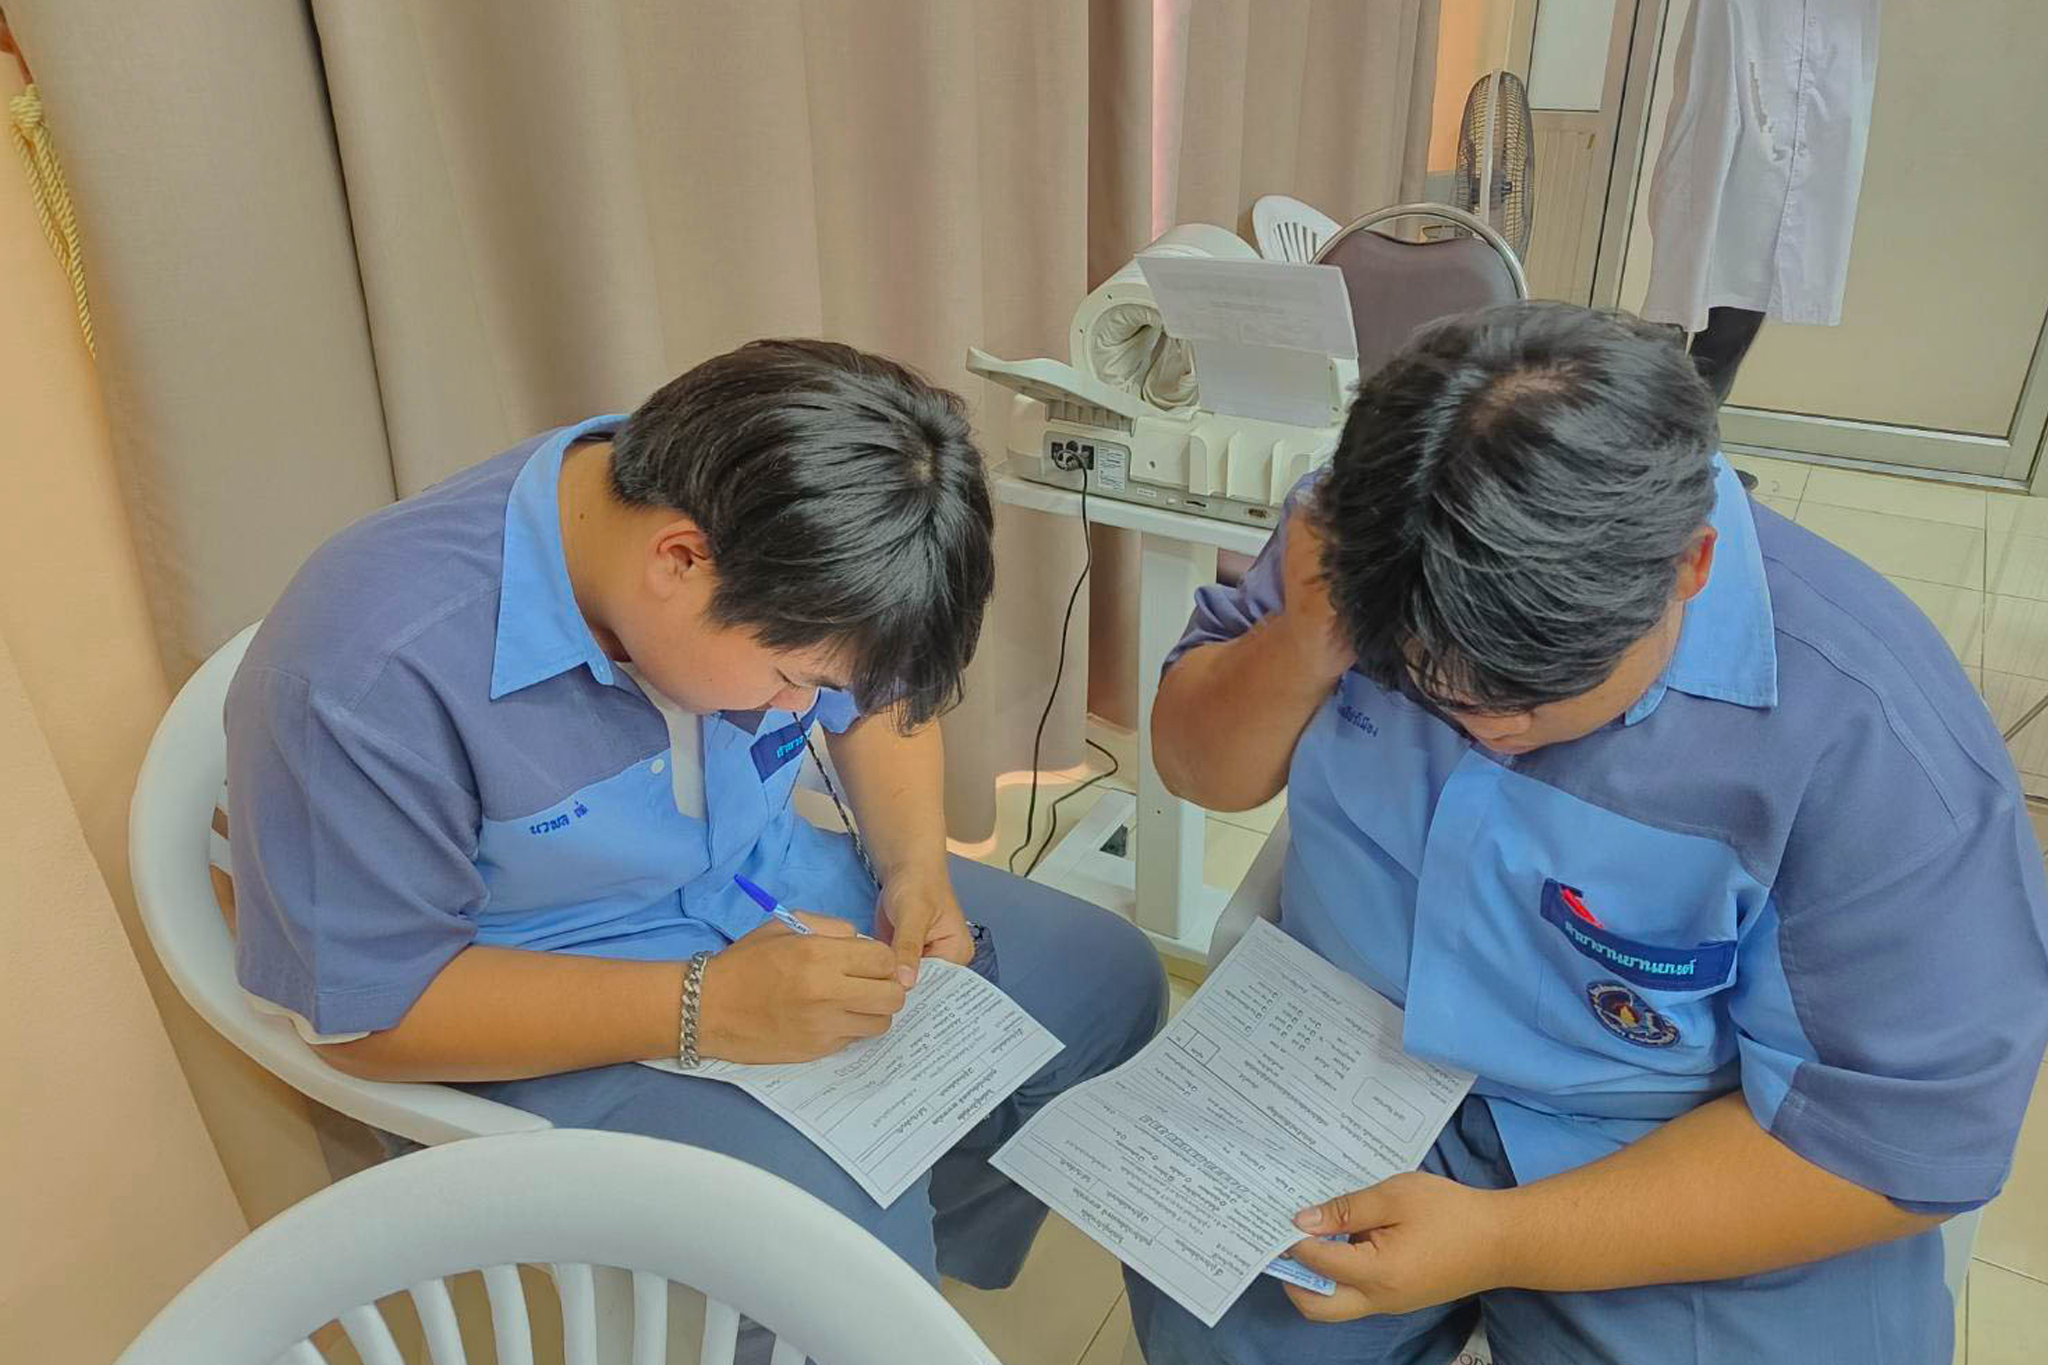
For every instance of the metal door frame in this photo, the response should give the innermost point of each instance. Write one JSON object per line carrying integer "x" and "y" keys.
{"x": 2009, "y": 460}
{"x": 2014, "y": 456}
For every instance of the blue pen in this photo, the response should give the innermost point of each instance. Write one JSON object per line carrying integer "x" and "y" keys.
{"x": 770, "y": 904}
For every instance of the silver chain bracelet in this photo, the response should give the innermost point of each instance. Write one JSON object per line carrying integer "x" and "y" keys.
{"x": 693, "y": 1002}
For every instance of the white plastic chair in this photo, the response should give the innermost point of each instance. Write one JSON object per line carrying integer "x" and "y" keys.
{"x": 170, "y": 834}
{"x": 170, "y": 824}
{"x": 1288, "y": 230}
{"x": 618, "y": 1218}
{"x": 1258, "y": 897}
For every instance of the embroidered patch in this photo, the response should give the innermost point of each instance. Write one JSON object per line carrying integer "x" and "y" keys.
{"x": 781, "y": 746}
{"x": 1628, "y": 1016}
{"x": 1698, "y": 968}
{"x": 1352, "y": 716}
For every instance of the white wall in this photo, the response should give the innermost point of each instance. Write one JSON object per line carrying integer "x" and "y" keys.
{"x": 1568, "y": 59}
{"x": 1472, "y": 39}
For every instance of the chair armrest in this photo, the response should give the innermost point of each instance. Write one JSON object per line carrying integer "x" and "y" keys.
{"x": 427, "y": 1114}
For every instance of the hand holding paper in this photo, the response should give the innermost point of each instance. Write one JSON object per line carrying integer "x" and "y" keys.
{"x": 1423, "y": 1240}
{"x": 1281, "y": 1084}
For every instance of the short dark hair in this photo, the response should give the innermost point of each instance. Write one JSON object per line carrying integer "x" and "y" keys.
{"x": 1509, "y": 501}
{"x": 845, "y": 503}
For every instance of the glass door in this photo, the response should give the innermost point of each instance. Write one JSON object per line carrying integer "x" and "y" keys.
{"x": 1937, "y": 363}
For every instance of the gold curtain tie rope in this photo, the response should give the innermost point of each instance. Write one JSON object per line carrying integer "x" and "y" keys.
{"x": 52, "y": 198}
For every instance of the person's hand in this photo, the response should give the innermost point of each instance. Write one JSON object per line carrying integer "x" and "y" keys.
{"x": 780, "y": 996}
{"x": 1305, "y": 613}
{"x": 919, "y": 917}
{"x": 1418, "y": 1240}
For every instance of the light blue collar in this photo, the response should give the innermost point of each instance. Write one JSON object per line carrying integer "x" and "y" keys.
{"x": 541, "y": 631}
{"x": 1727, "y": 648}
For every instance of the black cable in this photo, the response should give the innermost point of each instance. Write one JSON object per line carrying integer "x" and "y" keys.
{"x": 1054, "y": 814}
{"x": 1058, "y": 671}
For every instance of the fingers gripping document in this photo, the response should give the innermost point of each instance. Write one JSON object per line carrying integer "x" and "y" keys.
{"x": 885, "y": 1108}
{"x": 1281, "y": 1084}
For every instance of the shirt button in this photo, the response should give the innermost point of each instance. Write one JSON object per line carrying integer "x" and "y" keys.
{"x": 658, "y": 765}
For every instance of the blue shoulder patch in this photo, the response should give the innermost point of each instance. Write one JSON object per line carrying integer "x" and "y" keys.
{"x": 779, "y": 747}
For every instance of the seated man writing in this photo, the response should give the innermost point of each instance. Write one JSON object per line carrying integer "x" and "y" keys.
{"x": 498, "y": 753}
{"x": 1681, "y": 829}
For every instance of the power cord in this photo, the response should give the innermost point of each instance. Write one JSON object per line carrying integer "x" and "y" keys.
{"x": 1058, "y": 671}
{"x": 1054, "y": 814}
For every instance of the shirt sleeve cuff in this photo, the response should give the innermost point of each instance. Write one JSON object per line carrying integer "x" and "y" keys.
{"x": 299, "y": 1022}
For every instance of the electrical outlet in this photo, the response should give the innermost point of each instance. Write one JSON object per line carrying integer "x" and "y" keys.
{"x": 1071, "y": 455}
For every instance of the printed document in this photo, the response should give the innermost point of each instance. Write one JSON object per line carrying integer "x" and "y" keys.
{"x": 885, "y": 1108}
{"x": 1263, "y": 332}
{"x": 1281, "y": 1084}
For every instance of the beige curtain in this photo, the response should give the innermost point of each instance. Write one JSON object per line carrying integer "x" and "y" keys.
{"x": 1325, "y": 100}
{"x": 341, "y": 250}
{"x": 558, "y": 207}
{"x": 114, "y": 1195}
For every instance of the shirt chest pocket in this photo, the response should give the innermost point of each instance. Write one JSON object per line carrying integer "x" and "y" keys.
{"x": 620, "y": 839}
{"x": 1650, "y": 998}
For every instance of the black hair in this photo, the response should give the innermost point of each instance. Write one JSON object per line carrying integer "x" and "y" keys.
{"x": 845, "y": 504}
{"x": 1509, "y": 501}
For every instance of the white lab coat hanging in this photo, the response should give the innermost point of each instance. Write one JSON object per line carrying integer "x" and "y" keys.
{"x": 1753, "y": 200}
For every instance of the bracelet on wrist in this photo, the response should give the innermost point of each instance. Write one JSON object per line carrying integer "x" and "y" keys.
{"x": 687, "y": 1055}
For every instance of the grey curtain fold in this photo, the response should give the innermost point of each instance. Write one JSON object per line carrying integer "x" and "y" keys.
{"x": 556, "y": 208}
{"x": 233, "y": 346}
{"x": 1200, "y": 108}
{"x": 341, "y": 250}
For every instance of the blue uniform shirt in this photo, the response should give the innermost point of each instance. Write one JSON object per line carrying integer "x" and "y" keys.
{"x": 427, "y": 749}
{"x": 1800, "y": 865}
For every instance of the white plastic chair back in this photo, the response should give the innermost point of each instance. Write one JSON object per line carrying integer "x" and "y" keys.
{"x": 169, "y": 829}
{"x": 617, "y": 1218}
{"x": 1289, "y": 230}
{"x": 1256, "y": 897}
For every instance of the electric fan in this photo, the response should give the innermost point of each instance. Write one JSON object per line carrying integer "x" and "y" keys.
{"x": 1497, "y": 158}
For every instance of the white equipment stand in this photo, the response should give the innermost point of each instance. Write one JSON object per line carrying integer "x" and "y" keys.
{"x": 1160, "y": 886}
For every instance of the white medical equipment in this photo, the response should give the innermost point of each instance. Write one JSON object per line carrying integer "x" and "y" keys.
{"x": 1060, "y": 411}
{"x": 1127, "y": 408}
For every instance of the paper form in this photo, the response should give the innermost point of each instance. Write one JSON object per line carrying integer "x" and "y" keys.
{"x": 885, "y": 1108}
{"x": 1281, "y": 1084}
{"x": 1263, "y": 332}
{"x": 1280, "y": 305}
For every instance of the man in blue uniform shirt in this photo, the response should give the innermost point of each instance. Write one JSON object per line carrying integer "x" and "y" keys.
{"x": 1681, "y": 829}
{"x": 498, "y": 753}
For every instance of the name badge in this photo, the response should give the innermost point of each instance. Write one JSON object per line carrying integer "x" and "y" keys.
{"x": 776, "y": 749}
{"x": 1698, "y": 968}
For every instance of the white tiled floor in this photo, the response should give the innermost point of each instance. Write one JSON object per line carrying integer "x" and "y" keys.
{"x": 1977, "y": 564}
{"x": 1052, "y": 1314}
{"x": 1902, "y": 547}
